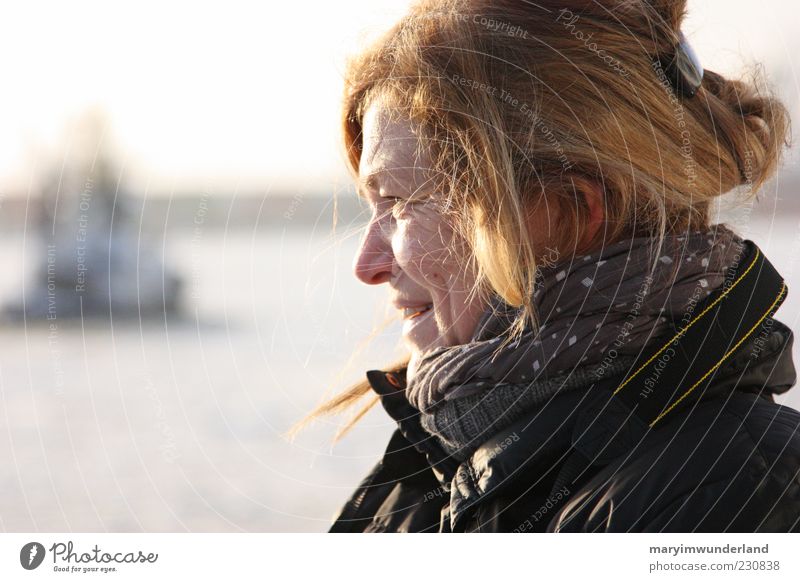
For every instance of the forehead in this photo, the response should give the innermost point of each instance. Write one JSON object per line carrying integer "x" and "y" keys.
{"x": 391, "y": 146}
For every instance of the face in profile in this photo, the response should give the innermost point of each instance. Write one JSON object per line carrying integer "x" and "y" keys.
{"x": 408, "y": 243}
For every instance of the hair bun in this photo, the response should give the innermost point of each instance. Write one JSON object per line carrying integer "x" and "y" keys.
{"x": 755, "y": 124}
{"x": 672, "y": 13}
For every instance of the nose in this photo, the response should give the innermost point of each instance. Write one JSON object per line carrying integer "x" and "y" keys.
{"x": 374, "y": 260}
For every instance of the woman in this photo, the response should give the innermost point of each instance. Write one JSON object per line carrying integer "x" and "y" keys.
{"x": 588, "y": 352}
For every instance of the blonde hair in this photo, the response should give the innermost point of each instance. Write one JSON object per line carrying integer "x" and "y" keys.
{"x": 525, "y": 106}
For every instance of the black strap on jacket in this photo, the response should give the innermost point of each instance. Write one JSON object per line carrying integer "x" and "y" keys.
{"x": 672, "y": 375}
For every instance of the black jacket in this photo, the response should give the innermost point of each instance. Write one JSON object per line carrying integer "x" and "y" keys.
{"x": 695, "y": 443}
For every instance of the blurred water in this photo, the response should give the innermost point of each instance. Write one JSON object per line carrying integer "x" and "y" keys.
{"x": 177, "y": 425}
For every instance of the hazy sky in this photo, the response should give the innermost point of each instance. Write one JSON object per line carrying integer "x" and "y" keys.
{"x": 243, "y": 93}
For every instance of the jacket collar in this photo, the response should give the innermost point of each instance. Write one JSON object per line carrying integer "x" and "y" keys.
{"x": 390, "y": 387}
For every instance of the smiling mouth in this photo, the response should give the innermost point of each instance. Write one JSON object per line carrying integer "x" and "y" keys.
{"x": 412, "y": 312}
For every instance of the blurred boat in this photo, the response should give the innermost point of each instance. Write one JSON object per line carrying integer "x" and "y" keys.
{"x": 91, "y": 260}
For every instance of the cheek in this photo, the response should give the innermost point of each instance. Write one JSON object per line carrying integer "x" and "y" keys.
{"x": 424, "y": 248}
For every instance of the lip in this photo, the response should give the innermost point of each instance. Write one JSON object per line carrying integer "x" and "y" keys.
{"x": 409, "y": 323}
{"x": 415, "y": 311}
{"x": 404, "y": 303}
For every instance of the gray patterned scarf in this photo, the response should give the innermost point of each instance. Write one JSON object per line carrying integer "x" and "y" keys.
{"x": 596, "y": 313}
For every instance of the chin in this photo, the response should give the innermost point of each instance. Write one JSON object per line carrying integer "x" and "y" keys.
{"x": 421, "y": 344}
{"x": 425, "y": 341}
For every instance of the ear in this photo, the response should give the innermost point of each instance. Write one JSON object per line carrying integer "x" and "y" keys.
{"x": 592, "y": 194}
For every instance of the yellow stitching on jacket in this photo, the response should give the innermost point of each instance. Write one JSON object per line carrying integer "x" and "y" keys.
{"x": 715, "y": 366}
{"x": 691, "y": 323}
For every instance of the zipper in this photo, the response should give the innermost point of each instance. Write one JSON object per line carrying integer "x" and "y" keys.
{"x": 359, "y": 499}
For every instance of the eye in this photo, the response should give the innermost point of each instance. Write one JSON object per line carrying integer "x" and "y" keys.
{"x": 395, "y": 201}
{"x": 400, "y": 205}
{"x": 404, "y": 201}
